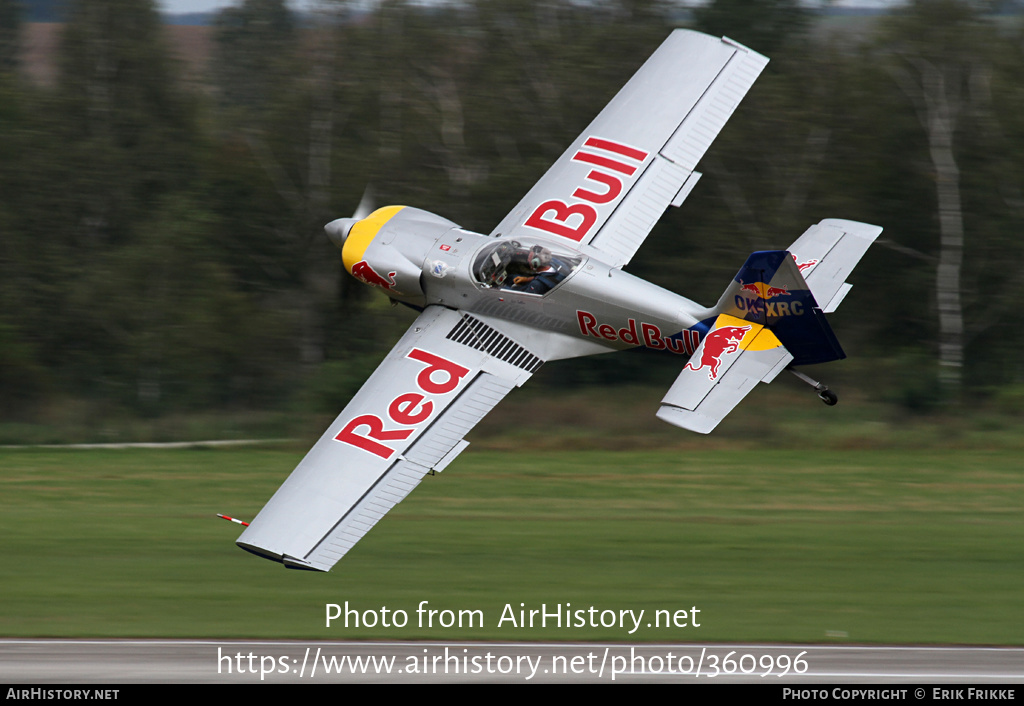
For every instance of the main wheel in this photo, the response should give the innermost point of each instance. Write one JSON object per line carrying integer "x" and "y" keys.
{"x": 828, "y": 397}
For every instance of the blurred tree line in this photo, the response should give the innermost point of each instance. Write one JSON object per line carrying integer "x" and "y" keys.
{"x": 161, "y": 243}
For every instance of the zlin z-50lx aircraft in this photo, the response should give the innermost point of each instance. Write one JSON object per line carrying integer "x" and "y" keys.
{"x": 548, "y": 284}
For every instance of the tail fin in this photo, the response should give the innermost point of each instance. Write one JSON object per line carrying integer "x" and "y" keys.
{"x": 767, "y": 319}
{"x": 782, "y": 289}
{"x": 769, "y": 290}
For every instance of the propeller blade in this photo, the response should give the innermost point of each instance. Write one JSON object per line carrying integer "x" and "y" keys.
{"x": 338, "y": 229}
{"x": 366, "y": 204}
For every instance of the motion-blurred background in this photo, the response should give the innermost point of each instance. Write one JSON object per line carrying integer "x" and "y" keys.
{"x": 163, "y": 187}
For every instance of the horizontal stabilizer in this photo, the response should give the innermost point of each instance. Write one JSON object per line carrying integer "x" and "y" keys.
{"x": 728, "y": 363}
{"x": 827, "y": 253}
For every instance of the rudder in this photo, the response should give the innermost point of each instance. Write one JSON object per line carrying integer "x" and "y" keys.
{"x": 770, "y": 290}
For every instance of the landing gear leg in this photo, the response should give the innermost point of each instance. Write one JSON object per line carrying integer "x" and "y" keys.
{"x": 826, "y": 395}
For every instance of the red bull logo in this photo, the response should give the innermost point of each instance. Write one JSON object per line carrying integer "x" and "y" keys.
{"x": 408, "y": 411}
{"x": 363, "y": 272}
{"x": 804, "y": 265}
{"x": 718, "y": 343}
{"x": 683, "y": 343}
{"x": 614, "y": 167}
{"x": 763, "y": 290}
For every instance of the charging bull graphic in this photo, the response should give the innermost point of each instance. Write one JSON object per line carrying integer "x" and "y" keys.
{"x": 763, "y": 290}
{"x": 802, "y": 266}
{"x": 364, "y": 272}
{"x": 716, "y": 344}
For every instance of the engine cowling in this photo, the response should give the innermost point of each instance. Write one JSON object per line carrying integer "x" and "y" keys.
{"x": 387, "y": 248}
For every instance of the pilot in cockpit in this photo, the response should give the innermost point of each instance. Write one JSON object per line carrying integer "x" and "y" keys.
{"x": 536, "y": 271}
{"x": 514, "y": 266}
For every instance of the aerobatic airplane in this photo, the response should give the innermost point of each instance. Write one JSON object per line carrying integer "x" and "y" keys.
{"x": 546, "y": 284}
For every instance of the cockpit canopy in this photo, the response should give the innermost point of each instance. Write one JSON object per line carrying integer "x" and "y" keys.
{"x": 521, "y": 266}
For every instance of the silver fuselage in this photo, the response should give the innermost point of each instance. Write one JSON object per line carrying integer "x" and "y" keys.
{"x": 596, "y": 302}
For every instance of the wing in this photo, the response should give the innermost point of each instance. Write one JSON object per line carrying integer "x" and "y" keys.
{"x": 638, "y": 156}
{"x": 827, "y": 252}
{"x": 730, "y": 360}
{"x": 447, "y": 372}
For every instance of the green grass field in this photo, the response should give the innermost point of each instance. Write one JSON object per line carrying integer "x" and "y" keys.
{"x": 859, "y": 545}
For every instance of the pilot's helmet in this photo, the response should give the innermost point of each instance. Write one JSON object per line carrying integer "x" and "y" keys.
{"x": 539, "y": 258}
